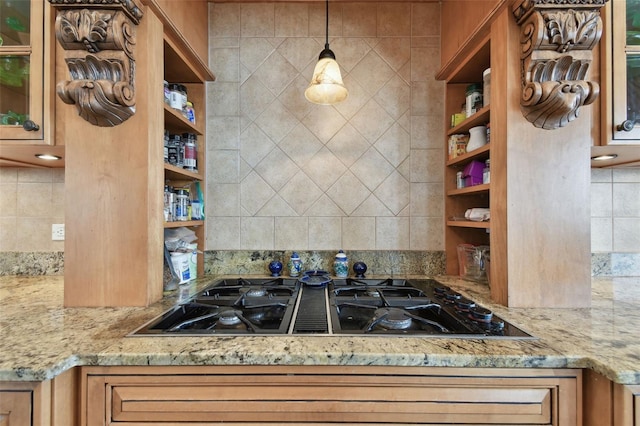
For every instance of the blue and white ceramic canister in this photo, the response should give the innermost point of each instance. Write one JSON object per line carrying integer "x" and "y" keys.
{"x": 295, "y": 265}
{"x": 341, "y": 265}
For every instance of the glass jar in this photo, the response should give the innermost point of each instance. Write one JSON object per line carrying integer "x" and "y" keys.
{"x": 175, "y": 96}
{"x": 182, "y": 205}
{"x": 486, "y": 87}
{"x": 473, "y": 99}
{"x": 167, "y": 92}
{"x": 486, "y": 172}
{"x": 190, "y": 151}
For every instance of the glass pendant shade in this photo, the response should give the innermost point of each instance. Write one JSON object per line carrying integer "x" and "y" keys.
{"x": 326, "y": 87}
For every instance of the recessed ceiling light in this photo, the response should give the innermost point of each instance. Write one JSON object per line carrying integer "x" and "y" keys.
{"x": 604, "y": 157}
{"x": 49, "y": 157}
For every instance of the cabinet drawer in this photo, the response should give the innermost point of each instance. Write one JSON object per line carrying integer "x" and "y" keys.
{"x": 330, "y": 395}
{"x": 291, "y": 402}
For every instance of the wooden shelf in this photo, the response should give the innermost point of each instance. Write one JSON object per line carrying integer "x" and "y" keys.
{"x": 172, "y": 172}
{"x": 182, "y": 66}
{"x": 468, "y": 224}
{"x": 175, "y": 121}
{"x": 480, "y": 118}
{"x": 476, "y": 189}
{"x": 472, "y": 60}
{"x": 180, "y": 223}
{"x": 482, "y": 152}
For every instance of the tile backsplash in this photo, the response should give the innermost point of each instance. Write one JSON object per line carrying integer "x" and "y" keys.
{"x": 615, "y": 221}
{"x": 31, "y": 200}
{"x": 283, "y": 173}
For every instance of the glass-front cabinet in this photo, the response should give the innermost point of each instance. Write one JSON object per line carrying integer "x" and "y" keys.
{"x": 22, "y": 97}
{"x": 625, "y": 68}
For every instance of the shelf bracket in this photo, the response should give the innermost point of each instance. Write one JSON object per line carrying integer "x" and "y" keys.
{"x": 99, "y": 40}
{"x": 556, "y": 39}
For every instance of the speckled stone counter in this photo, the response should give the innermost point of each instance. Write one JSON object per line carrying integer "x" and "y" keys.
{"x": 39, "y": 338}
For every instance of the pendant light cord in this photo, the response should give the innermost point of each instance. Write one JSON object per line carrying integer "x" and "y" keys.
{"x": 326, "y": 32}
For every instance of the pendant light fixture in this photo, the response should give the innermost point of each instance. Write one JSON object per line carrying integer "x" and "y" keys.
{"x": 326, "y": 87}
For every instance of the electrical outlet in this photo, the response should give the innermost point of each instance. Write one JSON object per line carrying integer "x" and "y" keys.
{"x": 57, "y": 232}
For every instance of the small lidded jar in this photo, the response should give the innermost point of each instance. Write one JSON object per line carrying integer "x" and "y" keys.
{"x": 341, "y": 265}
{"x": 295, "y": 265}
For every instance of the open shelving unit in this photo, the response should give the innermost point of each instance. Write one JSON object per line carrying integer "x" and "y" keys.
{"x": 178, "y": 69}
{"x": 457, "y": 200}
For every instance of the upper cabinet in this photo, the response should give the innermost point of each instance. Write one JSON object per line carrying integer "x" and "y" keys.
{"x": 620, "y": 72}
{"x": 26, "y": 74}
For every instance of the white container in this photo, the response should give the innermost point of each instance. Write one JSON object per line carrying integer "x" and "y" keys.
{"x": 477, "y": 137}
{"x": 486, "y": 87}
{"x": 181, "y": 265}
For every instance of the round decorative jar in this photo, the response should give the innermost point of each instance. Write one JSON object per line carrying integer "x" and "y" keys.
{"x": 275, "y": 267}
{"x": 359, "y": 268}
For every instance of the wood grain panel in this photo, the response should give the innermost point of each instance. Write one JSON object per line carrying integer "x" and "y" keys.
{"x": 189, "y": 19}
{"x": 114, "y": 171}
{"x": 547, "y": 197}
{"x": 458, "y": 21}
{"x": 329, "y": 395}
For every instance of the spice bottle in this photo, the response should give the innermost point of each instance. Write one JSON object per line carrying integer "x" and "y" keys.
{"x": 175, "y": 97}
{"x": 341, "y": 265}
{"x": 190, "y": 112}
{"x": 486, "y": 172}
{"x": 190, "y": 151}
{"x": 473, "y": 99}
{"x": 182, "y": 205}
{"x": 459, "y": 180}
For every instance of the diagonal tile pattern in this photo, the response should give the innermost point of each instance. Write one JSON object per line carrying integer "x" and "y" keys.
{"x": 324, "y": 177}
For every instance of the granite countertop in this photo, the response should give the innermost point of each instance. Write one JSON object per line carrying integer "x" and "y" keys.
{"x": 40, "y": 339}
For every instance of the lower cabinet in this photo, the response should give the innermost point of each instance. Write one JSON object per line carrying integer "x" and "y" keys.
{"x": 49, "y": 403}
{"x": 626, "y": 405}
{"x": 252, "y": 395}
{"x": 15, "y": 404}
{"x": 609, "y": 404}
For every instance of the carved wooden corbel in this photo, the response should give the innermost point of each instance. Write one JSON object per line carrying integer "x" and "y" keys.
{"x": 554, "y": 83}
{"x": 99, "y": 38}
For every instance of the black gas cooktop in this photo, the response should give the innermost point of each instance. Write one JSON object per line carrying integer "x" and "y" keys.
{"x": 323, "y": 306}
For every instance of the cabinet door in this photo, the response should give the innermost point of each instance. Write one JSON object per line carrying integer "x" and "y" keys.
{"x": 15, "y": 407}
{"x": 21, "y": 68}
{"x": 625, "y": 30}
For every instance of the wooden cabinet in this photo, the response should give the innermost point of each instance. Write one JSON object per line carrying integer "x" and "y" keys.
{"x": 458, "y": 200}
{"x": 178, "y": 70}
{"x": 49, "y": 403}
{"x": 609, "y": 404}
{"x": 336, "y": 395}
{"x": 626, "y": 405}
{"x": 114, "y": 219}
{"x": 15, "y": 404}
{"x": 620, "y": 81}
{"x": 538, "y": 231}
{"x": 27, "y": 55}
